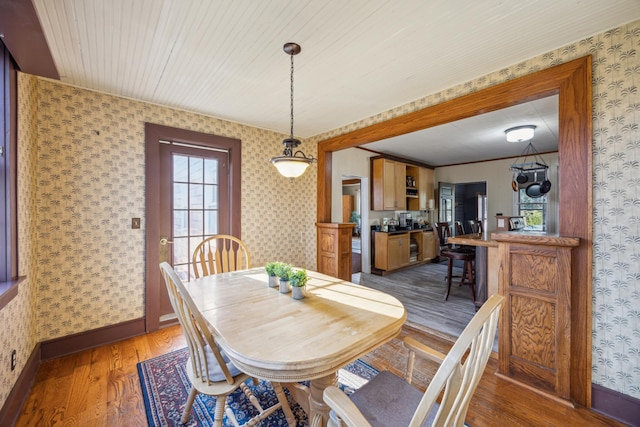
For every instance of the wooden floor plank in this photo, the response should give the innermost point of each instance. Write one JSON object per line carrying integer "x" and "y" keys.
{"x": 114, "y": 377}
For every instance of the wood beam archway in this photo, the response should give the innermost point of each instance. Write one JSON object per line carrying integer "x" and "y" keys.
{"x": 572, "y": 83}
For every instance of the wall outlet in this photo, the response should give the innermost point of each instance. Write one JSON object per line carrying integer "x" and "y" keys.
{"x": 135, "y": 223}
{"x": 13, "y": 359}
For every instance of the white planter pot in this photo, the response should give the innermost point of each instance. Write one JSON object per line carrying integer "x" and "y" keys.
{"x": 285, "y": 287}
{"x": 298, "y": 292}
{"x": 273, "y": 281}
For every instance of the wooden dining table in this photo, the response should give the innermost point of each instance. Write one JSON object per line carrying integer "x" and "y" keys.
{"x": 269, "y": 335}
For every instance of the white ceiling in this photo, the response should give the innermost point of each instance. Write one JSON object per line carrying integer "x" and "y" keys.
{"x": 359, "y": 57}
{"x": 478, "y": 138}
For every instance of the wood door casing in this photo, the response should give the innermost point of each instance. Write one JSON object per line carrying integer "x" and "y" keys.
{"x": 571, "y": 81}
{"x": 153, "y": 134}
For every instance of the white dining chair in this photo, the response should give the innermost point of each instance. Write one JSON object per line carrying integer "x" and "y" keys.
{"x": 209, "y": 370}
{"x": 388, "y": 400}
{"x": 221, "y": 253}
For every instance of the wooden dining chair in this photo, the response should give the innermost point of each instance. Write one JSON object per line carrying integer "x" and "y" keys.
{"x": 475, "y": 226}
{"x": 459, "y": 228}
{"x": 388, "y": 400}
{"x": 209, "y": 370}
{"x": 220, "y": 254}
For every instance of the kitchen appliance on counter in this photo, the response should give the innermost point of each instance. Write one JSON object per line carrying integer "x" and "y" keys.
{"x": 406, "y": 222}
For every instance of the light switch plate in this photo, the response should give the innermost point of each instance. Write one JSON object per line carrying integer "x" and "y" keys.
{"x": 135, "y": 223}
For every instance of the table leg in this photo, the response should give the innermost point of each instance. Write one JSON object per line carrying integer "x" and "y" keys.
{"x": 318, "y": 410}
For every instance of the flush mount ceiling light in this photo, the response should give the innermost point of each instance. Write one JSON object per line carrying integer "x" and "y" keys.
{"x": 290, "y": 164}
{"x": 520, "y": 133}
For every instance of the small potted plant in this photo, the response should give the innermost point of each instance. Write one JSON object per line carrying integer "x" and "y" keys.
{"x": 299, "y": 280}
{"x": 271, "y": 268}
{"x": 284, "y": 271}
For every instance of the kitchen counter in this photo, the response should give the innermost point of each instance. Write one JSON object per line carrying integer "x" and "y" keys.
{"x": 414, "y": 230}
{"x": 476, "y": 239}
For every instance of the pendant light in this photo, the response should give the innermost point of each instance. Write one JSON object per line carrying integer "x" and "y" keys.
{"x": 292, "y": 165}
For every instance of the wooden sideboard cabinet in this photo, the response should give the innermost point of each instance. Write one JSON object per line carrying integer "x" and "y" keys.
{"x": 389, "y": 185}
{"x": 534, "y": 339}
{"x": 334, "y": 249}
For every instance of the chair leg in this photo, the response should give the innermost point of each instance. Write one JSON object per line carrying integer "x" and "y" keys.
{"x": 187, "y": 409}
{"x": 449, "y": 275}
{"x": 284, "y": 403}
{"x": 221, "y": 402}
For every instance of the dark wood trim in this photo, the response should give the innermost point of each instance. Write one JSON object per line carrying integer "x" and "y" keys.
{"x": 572, "y": 82}
{"x": 9, "y": 290}
{"x": 154, "y": 133}
{"x": 89, "y": 339}
{"x": 24, "y": 37}
{"x": 20, "y": 391}
{"x": 9, "y": 142}
{"x": 613, "y": 404}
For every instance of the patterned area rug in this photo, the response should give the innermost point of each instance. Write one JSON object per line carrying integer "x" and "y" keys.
{"x": 165, "y": 387}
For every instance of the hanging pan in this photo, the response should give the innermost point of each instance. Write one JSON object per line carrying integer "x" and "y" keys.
{"x": 545, "y": 186}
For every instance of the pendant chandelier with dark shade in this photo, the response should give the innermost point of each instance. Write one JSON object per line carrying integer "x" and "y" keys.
{"x": 292, "y": 164}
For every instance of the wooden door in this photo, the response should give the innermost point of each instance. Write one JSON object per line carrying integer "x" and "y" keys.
{"x": 347, "y": 207}
{"x": 193, "y": 191}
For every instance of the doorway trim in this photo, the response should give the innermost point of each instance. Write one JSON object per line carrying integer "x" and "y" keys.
{"x": 153, "y": 134}
{"x": 571, "y": 81}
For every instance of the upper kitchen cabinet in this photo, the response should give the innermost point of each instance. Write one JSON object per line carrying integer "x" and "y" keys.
{"x": 418, "y": 197}
{"x": 389, "y": 185}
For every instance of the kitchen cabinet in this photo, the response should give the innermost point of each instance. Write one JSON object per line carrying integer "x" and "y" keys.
{"x": 428, "y": 246}
{"x": 389, "y": 185}
{"x": 393, "y": 250}
{"x": 334, "y": 249}
{"x": 423, "y": 190}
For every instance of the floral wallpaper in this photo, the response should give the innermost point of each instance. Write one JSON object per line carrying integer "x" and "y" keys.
{"x": 82, "y": 179}
{"x": 616, "y": 160}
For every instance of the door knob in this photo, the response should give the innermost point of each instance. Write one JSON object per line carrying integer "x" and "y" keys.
{"x": 164, "y": 241}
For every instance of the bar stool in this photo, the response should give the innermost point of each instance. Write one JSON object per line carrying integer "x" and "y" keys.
{"x": 443, "y": 232}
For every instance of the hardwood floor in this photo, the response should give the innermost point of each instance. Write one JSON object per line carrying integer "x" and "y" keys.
{"x": 100, "y": 387}
{"x": 421, "y": 289}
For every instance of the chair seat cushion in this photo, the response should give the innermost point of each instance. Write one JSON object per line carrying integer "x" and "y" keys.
{"x": 215, "y": 373}
{"x": 388, "y": 400}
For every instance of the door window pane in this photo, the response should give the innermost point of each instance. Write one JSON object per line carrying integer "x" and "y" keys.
{"x": 180, "y": 196}
{"x": 195, "y": 206}
{"x": 196, "y": 171}
{"x": 180, "y": 168}
{"x": 180, "y": 225}
{"x": 210, "y": 222}
{"x": 195, "y": 196}
{"x": 210, "y": 171}
{"x": 211, "y": 197}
